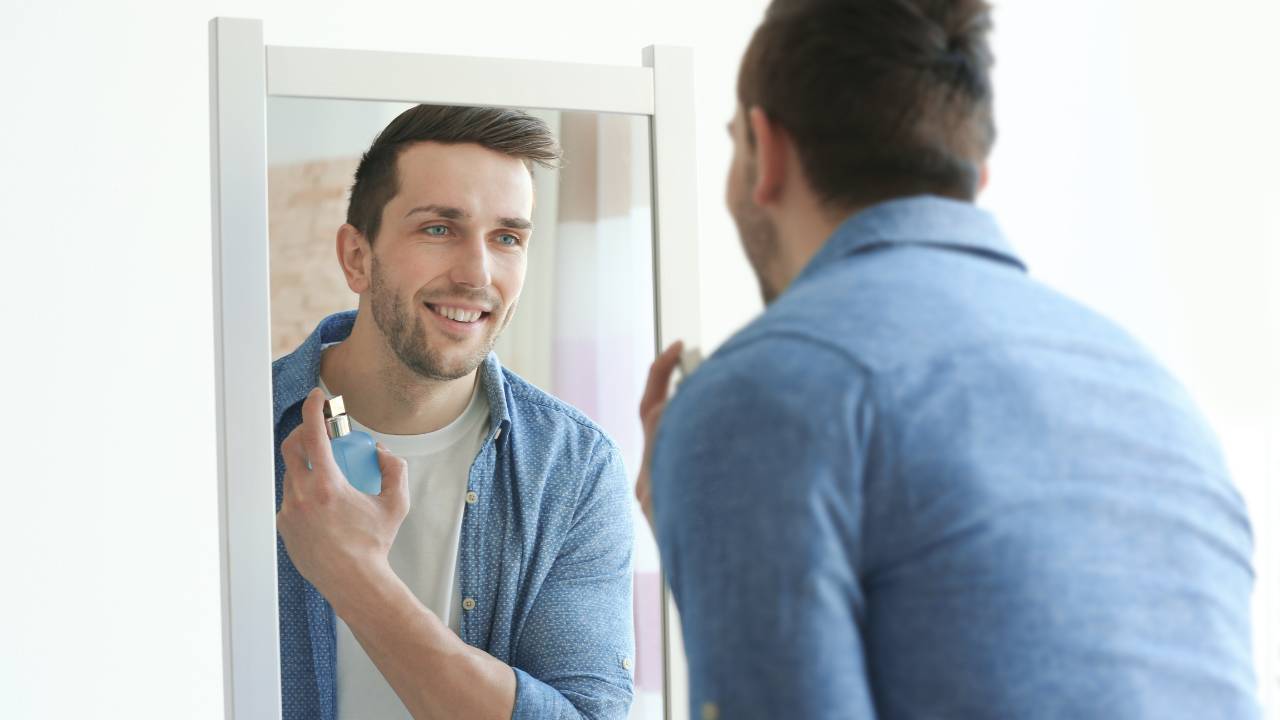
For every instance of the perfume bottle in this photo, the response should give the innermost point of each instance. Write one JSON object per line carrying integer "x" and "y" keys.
{"x": 354, "y": 450}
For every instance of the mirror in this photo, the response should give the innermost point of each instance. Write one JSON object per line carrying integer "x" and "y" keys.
{"x": 583, "y": 332}
{"x": 585, "y": 340}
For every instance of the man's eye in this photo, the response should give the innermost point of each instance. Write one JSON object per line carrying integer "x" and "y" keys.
{"x": 508, "y": 239}
{"x": 436, "y": 230}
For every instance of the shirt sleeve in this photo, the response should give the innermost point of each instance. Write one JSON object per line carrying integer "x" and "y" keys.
{"x": 757, "y": 495}
{"x": 574, "y": 659}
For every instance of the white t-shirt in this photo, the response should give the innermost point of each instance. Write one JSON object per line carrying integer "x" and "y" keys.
{"x": 425, "y": 552}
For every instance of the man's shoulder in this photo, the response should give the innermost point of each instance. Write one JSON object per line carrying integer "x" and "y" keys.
{"x": 849, "y": 317}
{"x": 912, "y": 306}
{"x": 292, "y": 377}
{"x": 295, "y": 374}
{"x": 545, "y": 418}
{"x": 288, "y": 370}
{"x": 776, "y": 343}
{"x": 557, "y": 450}
{"x": 766, "y": 379}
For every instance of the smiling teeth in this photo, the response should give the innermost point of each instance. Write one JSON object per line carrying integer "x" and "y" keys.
{"x": 457, "y": 314}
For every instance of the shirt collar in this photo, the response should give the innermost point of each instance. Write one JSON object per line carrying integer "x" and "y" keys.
{"x": 919, "y": 220}
{"x": 295, "y": 374}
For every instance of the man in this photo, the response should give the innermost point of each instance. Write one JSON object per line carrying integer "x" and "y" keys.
{"x": 921, "y": 484}
{"x": 507, "y": 591}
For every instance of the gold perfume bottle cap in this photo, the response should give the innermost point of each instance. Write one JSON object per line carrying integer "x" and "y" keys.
{"x": 335, "y": 417}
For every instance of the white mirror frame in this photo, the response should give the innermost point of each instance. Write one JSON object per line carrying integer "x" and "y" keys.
{"x": 243, "y": 73}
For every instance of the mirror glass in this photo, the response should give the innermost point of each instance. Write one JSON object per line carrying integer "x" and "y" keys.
{"x": 584, "y": 329}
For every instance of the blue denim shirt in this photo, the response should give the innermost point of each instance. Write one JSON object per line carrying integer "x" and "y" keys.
{"x": 923, "y": 485}
{"x": 545, "y": 553}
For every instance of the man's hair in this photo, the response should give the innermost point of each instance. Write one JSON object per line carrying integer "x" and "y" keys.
{"x": 882, "y": 98}
{"x": 507, "y": 131}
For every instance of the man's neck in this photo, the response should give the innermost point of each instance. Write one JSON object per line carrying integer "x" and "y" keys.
{"x": 801, "y": 235}
{"x": 382, "y": 394}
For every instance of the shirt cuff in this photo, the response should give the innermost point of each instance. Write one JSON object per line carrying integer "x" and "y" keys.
{"x": 536, "y": 700}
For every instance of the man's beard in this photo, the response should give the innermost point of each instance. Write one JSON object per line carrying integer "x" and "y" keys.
{"x": 406, "y": 333}
{"x": 759, "y": 235}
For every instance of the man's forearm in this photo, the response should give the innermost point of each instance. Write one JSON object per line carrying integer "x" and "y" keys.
{"x": 434, "y": 672}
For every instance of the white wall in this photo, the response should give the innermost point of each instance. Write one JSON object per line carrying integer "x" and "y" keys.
{"x": 294, "y": 136}
{"x": 1156, "y": 205}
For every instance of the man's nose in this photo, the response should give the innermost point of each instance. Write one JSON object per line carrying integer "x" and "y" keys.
{"x": 471, "y": 264}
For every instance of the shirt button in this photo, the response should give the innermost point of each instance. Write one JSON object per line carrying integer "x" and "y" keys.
{"x": 472, "y": 498}
{"x": 469, "y": 604}
{"x": 626, "y": 663}
{"x": 710, "y": 711}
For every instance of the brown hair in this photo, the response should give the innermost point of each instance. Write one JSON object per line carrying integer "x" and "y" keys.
{"x": 882, "y": 98}
{"x": 511, "y": 132}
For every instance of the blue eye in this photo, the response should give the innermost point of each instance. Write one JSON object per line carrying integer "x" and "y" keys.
{"x": 508, "y": 239}
{"x": 431, "y": 230}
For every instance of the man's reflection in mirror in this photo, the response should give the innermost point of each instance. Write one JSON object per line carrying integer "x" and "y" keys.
{"x": 492, "y": 575}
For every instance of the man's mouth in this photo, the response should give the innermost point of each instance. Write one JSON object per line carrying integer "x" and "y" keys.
{"x": 458, "y": 314}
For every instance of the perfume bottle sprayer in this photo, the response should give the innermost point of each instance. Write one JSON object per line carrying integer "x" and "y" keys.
{"x": 355, "y": 451}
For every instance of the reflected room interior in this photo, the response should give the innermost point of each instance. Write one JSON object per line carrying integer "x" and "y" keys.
{"x": 584, "y": 329}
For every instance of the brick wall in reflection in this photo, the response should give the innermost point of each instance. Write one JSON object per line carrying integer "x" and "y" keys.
{"x": 306, "y": 204}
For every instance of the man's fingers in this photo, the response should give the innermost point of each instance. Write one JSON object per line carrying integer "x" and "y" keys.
{"x": 643, "y": 491}
{"x": 655, "y": 390}
{"x": 306, "y": 448}
{"x": 395, "y": 473}
{"x": 651, "y": 417}
{"x": 652, "y": 404}
{"x": 298, "y": 476}
{"x": 295, "y": 458}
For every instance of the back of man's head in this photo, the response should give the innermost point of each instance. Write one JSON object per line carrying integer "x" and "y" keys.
{"x": 882, "y": 98}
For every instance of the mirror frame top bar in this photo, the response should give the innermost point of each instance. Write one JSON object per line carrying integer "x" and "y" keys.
{"x": 457, "y": 80}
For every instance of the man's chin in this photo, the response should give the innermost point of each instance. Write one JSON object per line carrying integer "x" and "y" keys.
{"x": 459, "y": 362}
{"x": 442, "y": 372}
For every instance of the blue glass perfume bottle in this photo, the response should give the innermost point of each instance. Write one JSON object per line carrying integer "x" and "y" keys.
{"x": 355, "y": 451}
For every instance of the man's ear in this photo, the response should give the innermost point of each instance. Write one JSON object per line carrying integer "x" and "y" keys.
{"x": 354, "y": 257}
{"x": 983, "y": 176}
{"x": 771, "y": 151}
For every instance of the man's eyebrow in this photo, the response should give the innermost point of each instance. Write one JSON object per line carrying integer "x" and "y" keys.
{"x": 448, "y": 213}
{"x": 515, "y": 223}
